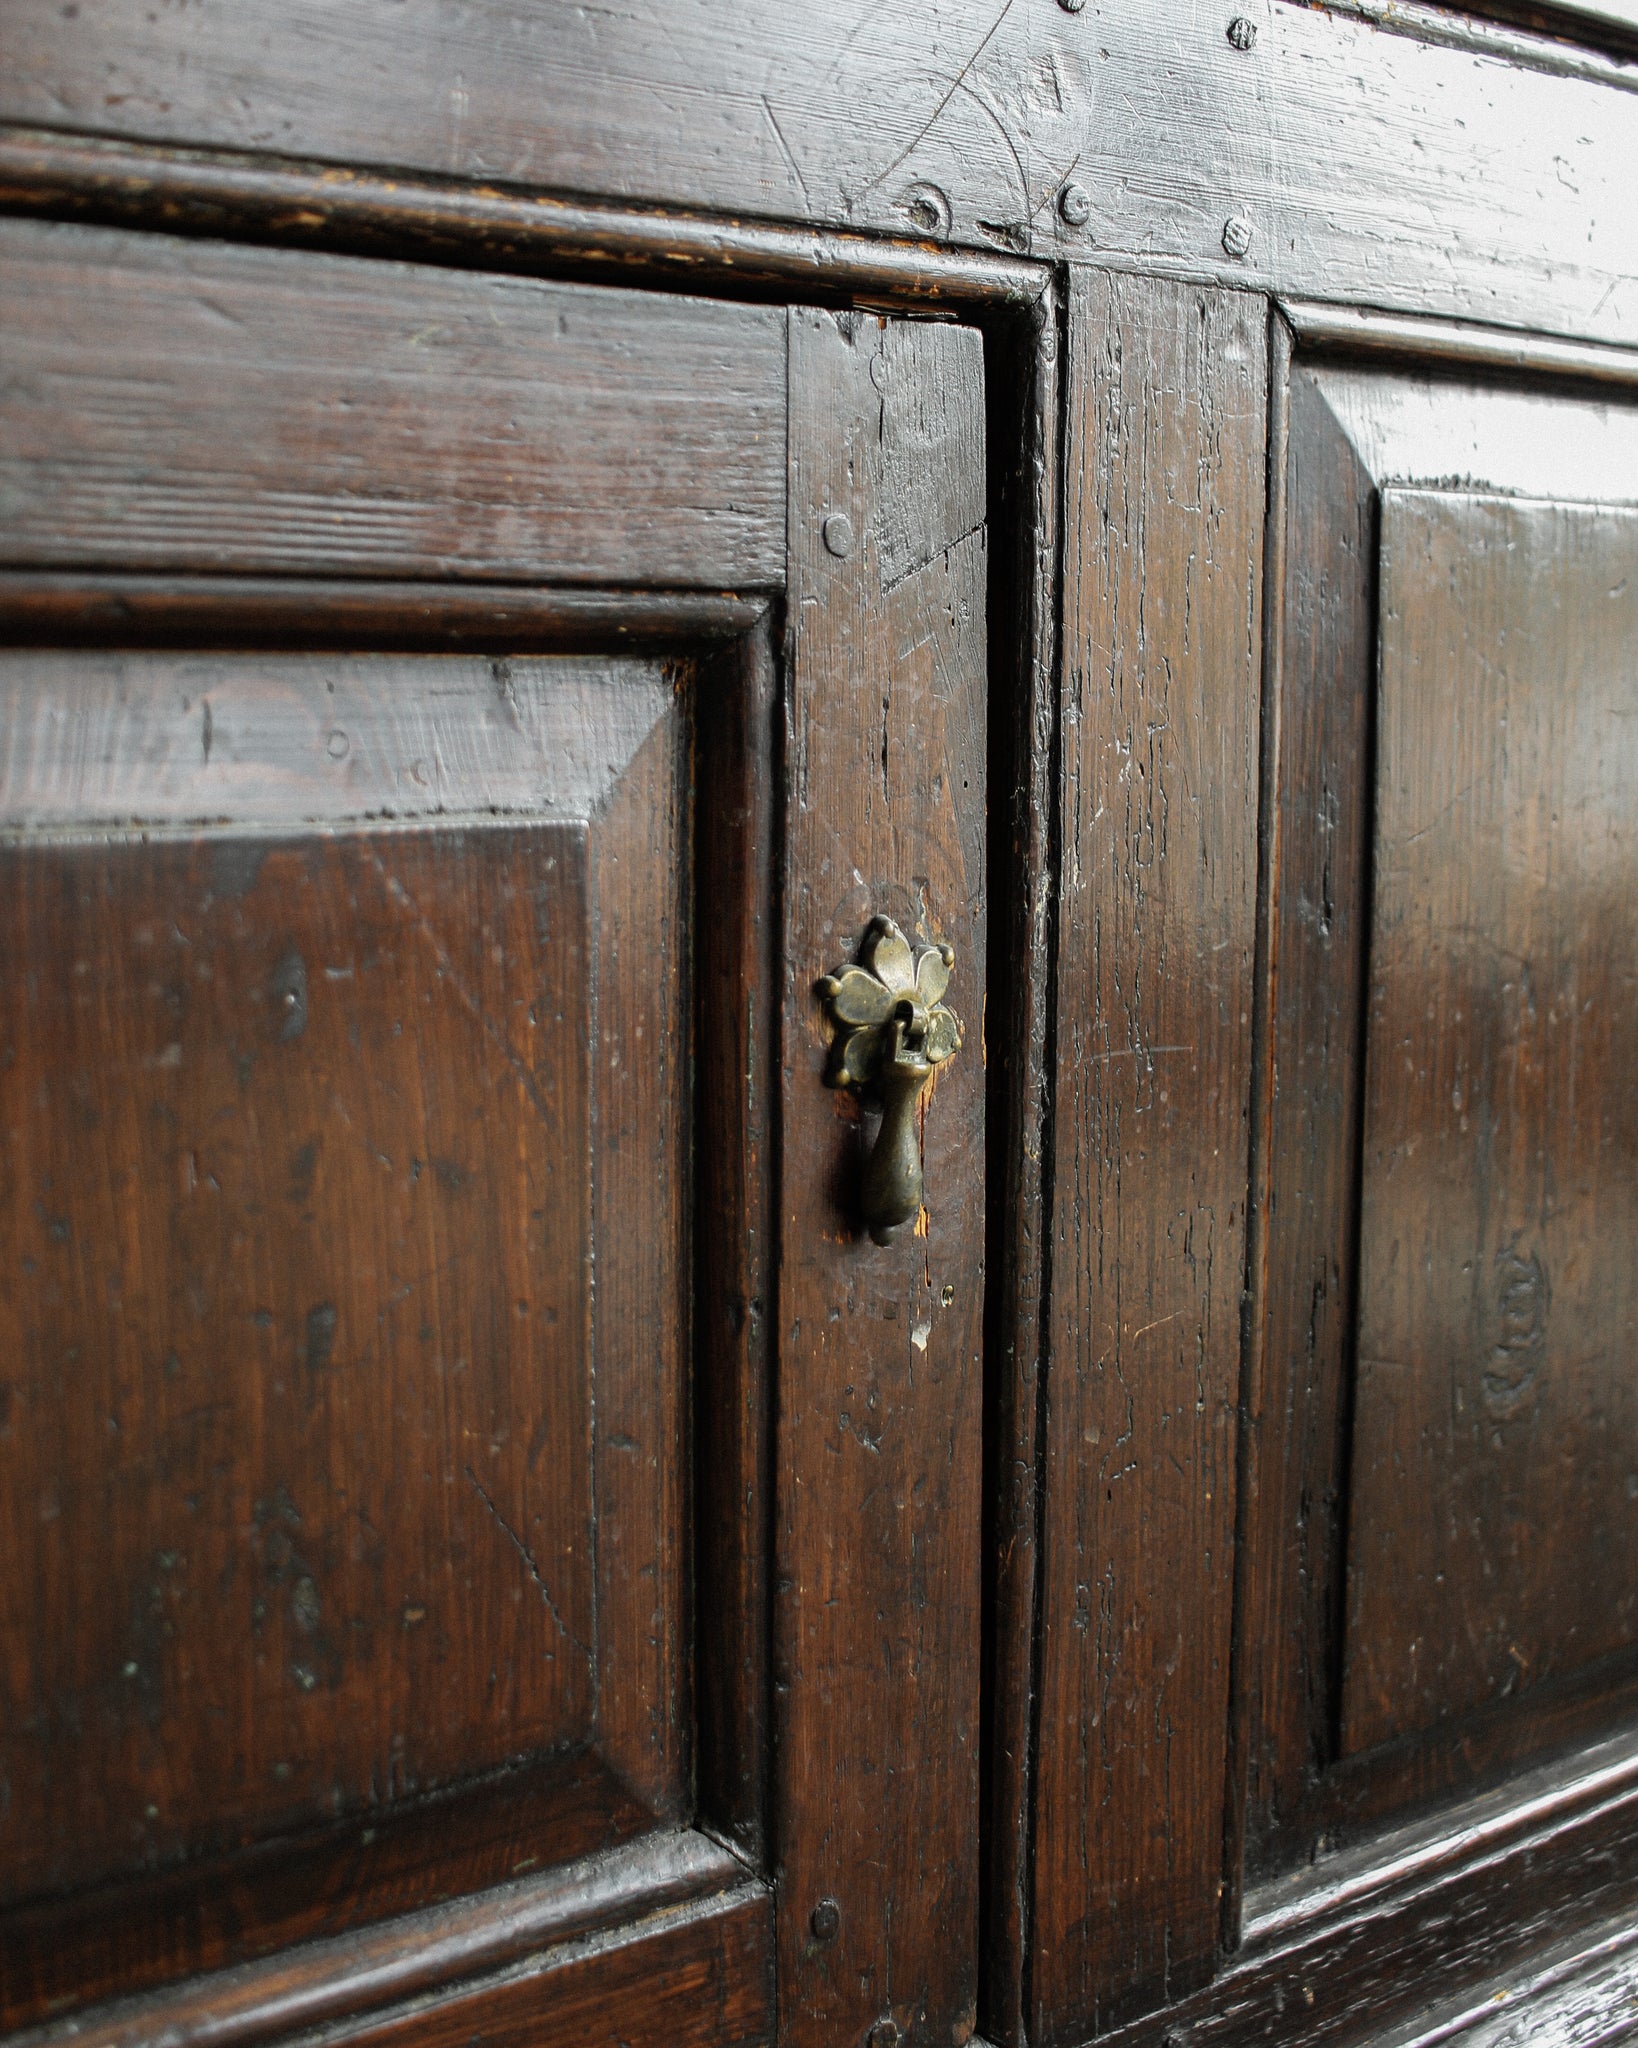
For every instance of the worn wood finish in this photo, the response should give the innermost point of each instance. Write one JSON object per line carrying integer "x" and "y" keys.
{"x": 112, "y": 610}
{"x": 1023, "y": 393}
{"x": 699, "y": 1974}
{"x": 737, "y": 891}
{"x": 331, "y": 1981}
{"x": 1478, "y": 186}
{"x": 336, "y": 1891}
{"x": 454, "y": 898}
{"x": 878, "y": 1540}
{"x": 90, "y": 738}
{"x": 256, "y": 409}
{"x": 1364, "y": 334}
{"x": 1582, "y": 1993}
{"x": 1317, "y": 739}
{"x": 1455, "y": 1914}
{"x": 1494, "y": 1426}
{"x": 1308, "y": 1783}
{"x": 206, "y": 1048}
{"x": 1156, "y": 926}
{"x": 218, "y": 193}
{"x": 700, "y": 1977}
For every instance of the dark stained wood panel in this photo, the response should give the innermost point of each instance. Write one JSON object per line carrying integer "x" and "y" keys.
{"x": 341, "y": 1977}
{"x": 1493, "y": 1503}
{"x": 1317, "y": 747}
{"x": 701, "y": 1977}
{"x": 1393, "y": 1943}
{"x": 1485, "y": 178}
{"x": 351, "y": 1895}
{"x": 1156, "y": 925}
{"x": 312, "y": 1138}
{"x": 232, "y": 408}
{"x": 877, "y": 1546}
{"x": 1351, "y": 437}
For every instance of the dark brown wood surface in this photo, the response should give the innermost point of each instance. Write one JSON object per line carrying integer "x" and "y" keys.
{"x": 319, "y": 1971}
{"x": 736, "y": 993}
{"x": 698, "y": 1977}
{"x": 1308, "y": 1786}
{"x": 255, "y": 409}
{"x": 1485, "y": 170}
{"x": 1022, "y": 376}
{"x": 303, "y": 1351}
{"x": 1493, "y": 1512}
{"x": 1323, "y": 544}
{"x": 1425, "y": 1929}
{"x": 972, "y": 1639}
{"x": 1156, "y": 923}
{"x": 878, "y": 1557}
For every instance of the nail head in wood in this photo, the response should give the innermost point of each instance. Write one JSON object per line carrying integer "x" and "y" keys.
{"x": 838, "y": 532}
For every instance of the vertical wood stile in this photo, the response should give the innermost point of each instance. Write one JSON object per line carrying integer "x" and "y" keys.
{"x": 877, "y": 1650}
{"x": 1166, "y": 391}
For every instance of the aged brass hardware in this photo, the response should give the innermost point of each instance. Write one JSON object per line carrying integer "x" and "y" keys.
{"x": 892, "y": 1030}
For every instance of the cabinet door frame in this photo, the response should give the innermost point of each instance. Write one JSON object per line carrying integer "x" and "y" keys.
{"x": 1337, "y": 1874}
{"x": 702, "y": 1887}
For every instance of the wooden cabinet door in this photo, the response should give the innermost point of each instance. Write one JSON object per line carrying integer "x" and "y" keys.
{"x": 492, "y": 1545}
{"x": 1338, "y": 1645}
{"x": 1442, "y": 1643}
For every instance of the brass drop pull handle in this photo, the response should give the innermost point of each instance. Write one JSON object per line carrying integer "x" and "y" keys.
{"x": 892, "y": 1030}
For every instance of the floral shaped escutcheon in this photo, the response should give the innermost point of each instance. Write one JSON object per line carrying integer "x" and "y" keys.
{"x": 892, "y": 1029}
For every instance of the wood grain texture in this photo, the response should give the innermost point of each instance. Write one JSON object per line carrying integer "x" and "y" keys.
{"x": 262, "y": 741}
{"x": 42, "y": 608}
{"x": 1156, "y": 923}
{"x": 697, "y": 1972}
{"x": 324, "y": 1977}
{"x": 737, "y": 888}
{"x": 1585, "y": 1993}
{"x": 1478, "y": 1910}
{"x": 1478, "y": 186}
{"x": 1493, "y": 1494}
{"x": 1350, "y": 424}
{"x": 1023, "y": 389}
{"x": 237, "y": 409}
{"x": 878, "y": 1558}
{"x": 353, "y": 1486}
{"x": 698, "y": 1977}
{"x": 67, "y": 177}
{"x": 1318, "y": 742}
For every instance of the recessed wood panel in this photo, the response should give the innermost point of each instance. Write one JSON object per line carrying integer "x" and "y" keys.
{"x": 313, "y": 1133}
{"x": 1493, "y": 1506}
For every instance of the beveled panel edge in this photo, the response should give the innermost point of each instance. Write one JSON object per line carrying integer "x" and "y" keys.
{"x": 1510, "y": 1820}
{"x": 315, "y": 740}
{"x": 1353, "y": 1958}
{"x": 347, "y": 1976}
{"x": 1321, "y": 329}
{"x": 180, "y": 190}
